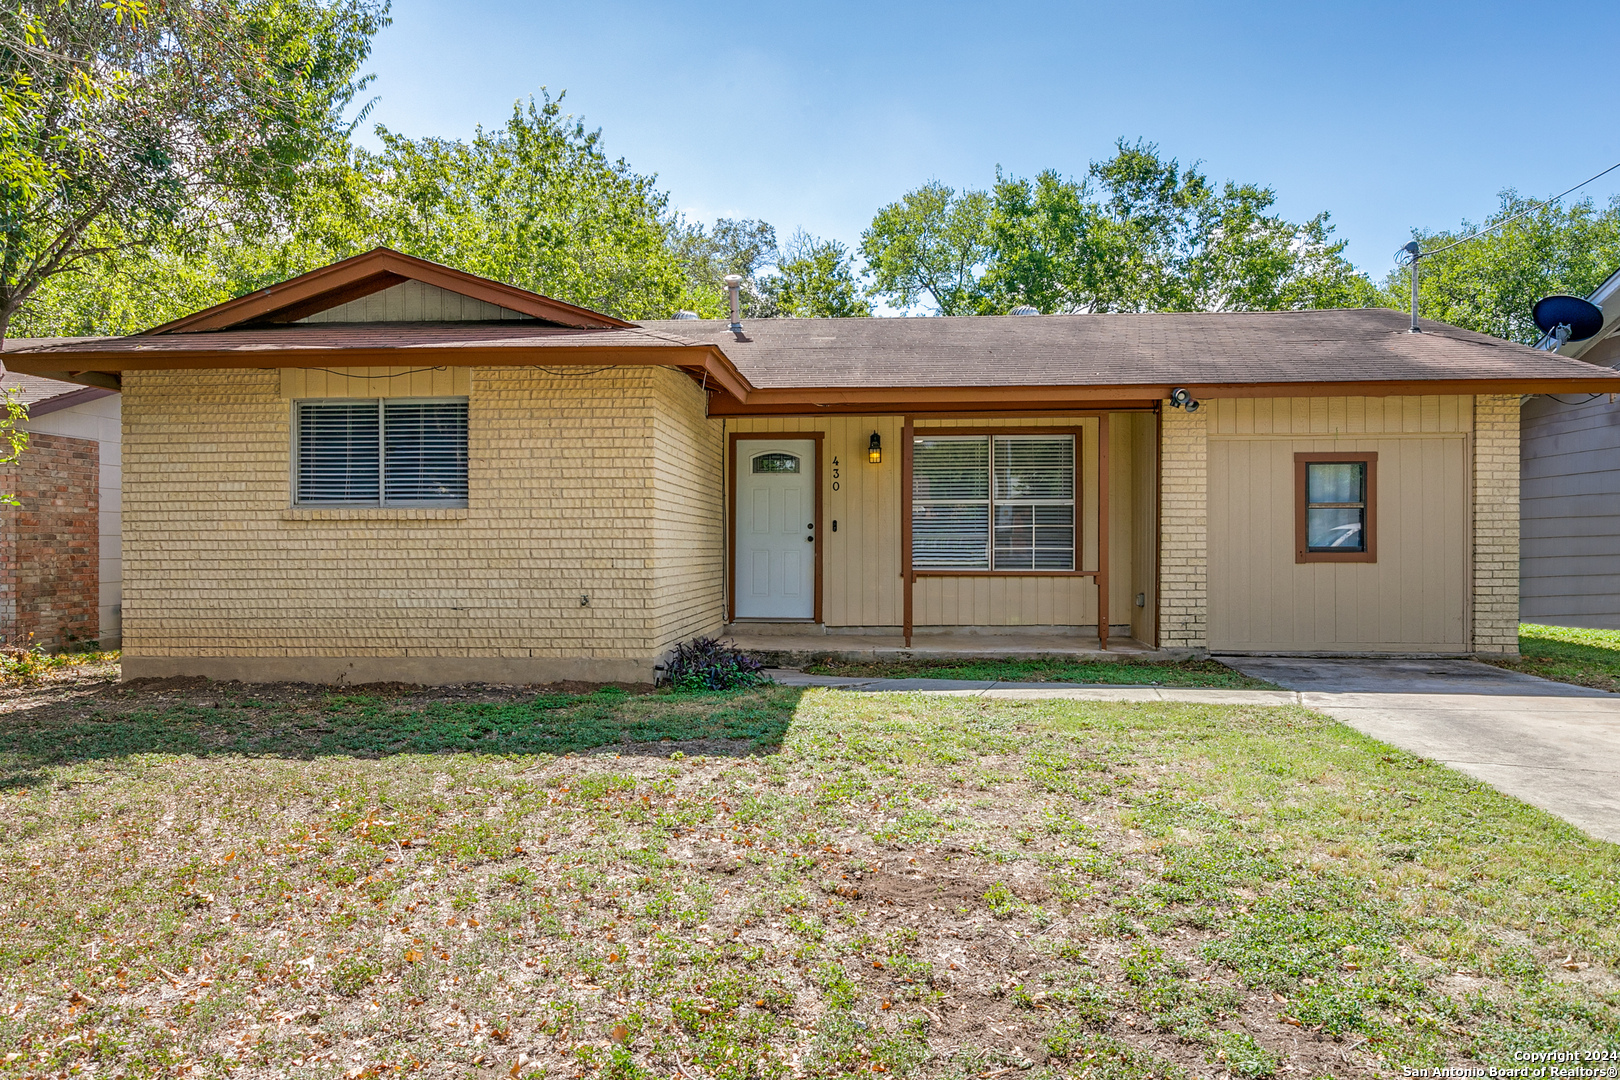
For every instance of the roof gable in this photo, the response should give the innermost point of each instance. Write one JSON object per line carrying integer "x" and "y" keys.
{"x": 416, "y": 301}
{"x": 342, "y": 287}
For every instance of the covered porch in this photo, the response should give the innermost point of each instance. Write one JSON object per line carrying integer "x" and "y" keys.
{"x": 787, "y": 646}
{"x": 944, "y": 536}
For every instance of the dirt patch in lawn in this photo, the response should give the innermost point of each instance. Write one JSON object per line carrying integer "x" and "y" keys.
{"x": 502, "y": 882}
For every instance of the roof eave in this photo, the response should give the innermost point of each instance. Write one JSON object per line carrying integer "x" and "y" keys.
{"x": 102, "y": 367}
{"x": 811, "y": 401}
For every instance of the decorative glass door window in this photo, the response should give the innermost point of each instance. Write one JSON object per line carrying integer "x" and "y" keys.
{"x": 1335, "y": 500}
{"x": 993, "y": 502}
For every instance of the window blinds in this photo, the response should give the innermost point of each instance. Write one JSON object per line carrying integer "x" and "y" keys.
{"x": 424, "y": 451}
{"x": 338, "y": 460}
{"x": 950, "y": 503}
{"x": 1002, "y": 502}
{"x": 388, "y": 452}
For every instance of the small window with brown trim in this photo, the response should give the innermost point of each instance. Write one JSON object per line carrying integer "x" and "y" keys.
{"x": 1335, "y": 507}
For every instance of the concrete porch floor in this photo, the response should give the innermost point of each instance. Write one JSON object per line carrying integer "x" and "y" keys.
{"x": 779, "y": 649}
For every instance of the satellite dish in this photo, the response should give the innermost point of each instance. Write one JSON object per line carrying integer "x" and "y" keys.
{"x": 1567, "y": 318}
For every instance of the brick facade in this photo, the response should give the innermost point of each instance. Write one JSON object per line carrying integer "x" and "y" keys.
{"x": 1496, "y": 524}
{"x": 578, "y": 555}
{"x": 1184, "y": 529}
{"x": 50, "y": 545}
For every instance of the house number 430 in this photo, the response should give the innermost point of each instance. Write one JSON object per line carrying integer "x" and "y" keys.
{"x": 835, "y": 474}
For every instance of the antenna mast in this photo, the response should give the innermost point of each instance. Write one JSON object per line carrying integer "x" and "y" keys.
{"x": 1412, "y": 250}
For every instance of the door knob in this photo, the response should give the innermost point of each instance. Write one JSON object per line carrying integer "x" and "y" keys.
{"x": 809, "y": 539}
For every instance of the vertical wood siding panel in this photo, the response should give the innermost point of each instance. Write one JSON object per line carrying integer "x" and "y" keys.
{"x": 1413, "y": 597}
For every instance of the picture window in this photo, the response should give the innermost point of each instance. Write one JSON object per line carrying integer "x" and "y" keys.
{"x": 993, "y": 502}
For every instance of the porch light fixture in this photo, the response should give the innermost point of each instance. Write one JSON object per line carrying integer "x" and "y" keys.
{"x": 874, "y": 449}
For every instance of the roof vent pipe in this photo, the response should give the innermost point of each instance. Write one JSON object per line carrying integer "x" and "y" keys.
{"x": 734, "y": 287}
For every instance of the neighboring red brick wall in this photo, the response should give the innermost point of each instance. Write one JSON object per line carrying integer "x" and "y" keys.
{"x": 50, "y": 546}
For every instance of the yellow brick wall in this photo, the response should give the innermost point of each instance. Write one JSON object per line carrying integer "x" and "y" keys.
{"x": 1496, "y": 524}
{"x": 225, "y": 578}
{"x": 689, "y": 553}
{"x": 1184, "y": 528}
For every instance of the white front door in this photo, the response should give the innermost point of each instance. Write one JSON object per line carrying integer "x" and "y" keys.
{"x": 776, "y": 529}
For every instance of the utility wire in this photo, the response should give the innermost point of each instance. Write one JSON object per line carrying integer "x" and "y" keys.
{"x": 1516, "y": 217}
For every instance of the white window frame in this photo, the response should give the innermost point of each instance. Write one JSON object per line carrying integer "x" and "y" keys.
{"x": 382, "y": 501}
{"x": 991, "y": 503}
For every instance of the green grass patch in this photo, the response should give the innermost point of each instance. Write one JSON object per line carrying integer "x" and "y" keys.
{"x": 1206, "y": 673}
{"x": 126, "y": 723}
{"x": 802, "y": 883}
{"x": 1568, "y": 654}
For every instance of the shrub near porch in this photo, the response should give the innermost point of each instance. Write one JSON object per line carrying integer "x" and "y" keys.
{"x": 229, "y": 878}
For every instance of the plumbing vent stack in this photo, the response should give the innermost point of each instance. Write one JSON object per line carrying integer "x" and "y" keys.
{"x": 734, "y": 287}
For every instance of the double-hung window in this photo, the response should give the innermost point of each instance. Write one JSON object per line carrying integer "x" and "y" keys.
{"x": 380, "y": 452}
{"x": 993, "y": 502}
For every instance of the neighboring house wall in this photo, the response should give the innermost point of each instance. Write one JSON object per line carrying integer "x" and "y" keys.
{"x": 50, "y": 544}
{"x": 862, "y": 585}
{"x": 99, "y": 421}
{"x": 225, "y": 577}
{"x": 1570, "y": 558}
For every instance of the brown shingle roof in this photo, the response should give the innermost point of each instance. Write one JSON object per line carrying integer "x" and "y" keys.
{"x": 896, "y": 361}
{"x": 1226, "y": 348}
{"x": 32, "y": 389}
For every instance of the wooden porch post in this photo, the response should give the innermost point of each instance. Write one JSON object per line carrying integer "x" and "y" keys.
{"x": 906, "y": 575}
{"x": 1102, "y": 530}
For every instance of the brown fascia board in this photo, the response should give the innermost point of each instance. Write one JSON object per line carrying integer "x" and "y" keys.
{"x": 371, "y": 272}
{"x": 86, "y": 364}
{"x": 763, "y": 402}
{"x": 68, "y": 400}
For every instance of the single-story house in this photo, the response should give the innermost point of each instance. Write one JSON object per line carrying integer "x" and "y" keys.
{"x": 387, "y": 469}
{"x": 59, "y": 550}
{"x": 1571, "y": 489}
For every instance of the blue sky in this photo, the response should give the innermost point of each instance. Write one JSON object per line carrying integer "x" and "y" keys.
{"x": 1389, "y": 115}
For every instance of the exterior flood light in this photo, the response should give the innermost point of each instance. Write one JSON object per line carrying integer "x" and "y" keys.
{"x": 874, "y": 449}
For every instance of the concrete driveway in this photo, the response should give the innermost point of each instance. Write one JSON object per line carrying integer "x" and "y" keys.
{"x": 1553, "y": 745}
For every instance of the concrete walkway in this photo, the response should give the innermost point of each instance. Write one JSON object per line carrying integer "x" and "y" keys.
{"x": 1036, "y": 690}
{"x": 1551, "y": 744}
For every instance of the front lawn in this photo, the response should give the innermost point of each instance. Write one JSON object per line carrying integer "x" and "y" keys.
{"x": 213, "y": 880}
{"x": 1566, "y": 654}
{"x": 1126, "y": 672}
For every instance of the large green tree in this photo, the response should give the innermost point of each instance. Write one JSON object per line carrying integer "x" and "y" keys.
{"x": 709, "y": 255}
{"x": 127, "y": 124}
{"x": 1138, "y": 233}
{"x": 815, "y": 279}
{"x": 1492, "y": 282}
{"x": 537, "y": 203}
{"x": 930, "y": 246}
